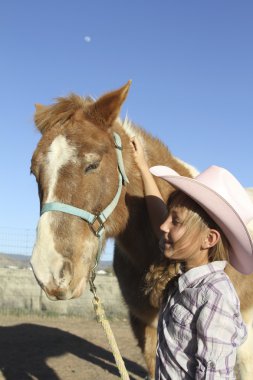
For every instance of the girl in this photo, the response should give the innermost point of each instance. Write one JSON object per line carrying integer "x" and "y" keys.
{"x": 200, "y": 325}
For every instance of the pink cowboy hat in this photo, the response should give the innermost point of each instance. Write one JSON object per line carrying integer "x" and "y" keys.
{"x": 226, "y": 201}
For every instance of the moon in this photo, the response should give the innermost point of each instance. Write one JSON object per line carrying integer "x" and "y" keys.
{"x": 87, "y": 39}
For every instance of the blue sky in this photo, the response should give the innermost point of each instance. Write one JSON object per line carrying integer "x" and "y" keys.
{"x": 191, "y": 63}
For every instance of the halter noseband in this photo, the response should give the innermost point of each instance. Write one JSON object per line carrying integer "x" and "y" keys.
{"x": 100, "y": 218}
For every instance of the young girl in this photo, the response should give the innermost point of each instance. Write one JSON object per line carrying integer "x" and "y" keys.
{"x": 200, "y": 325}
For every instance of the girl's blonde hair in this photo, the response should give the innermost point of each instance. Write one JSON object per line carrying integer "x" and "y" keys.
{"x": 197, "y": 221}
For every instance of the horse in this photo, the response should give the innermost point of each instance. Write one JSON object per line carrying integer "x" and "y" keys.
{"x": 77, "y": 169}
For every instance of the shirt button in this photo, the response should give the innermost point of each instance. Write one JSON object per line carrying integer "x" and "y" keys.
{"x": 211, "y": 365}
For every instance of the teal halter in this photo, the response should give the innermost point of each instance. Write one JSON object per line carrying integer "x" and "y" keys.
{"x": 90, "y": 218}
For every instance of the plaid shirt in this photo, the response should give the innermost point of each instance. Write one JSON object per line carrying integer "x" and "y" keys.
{"x": 200, "y": 327}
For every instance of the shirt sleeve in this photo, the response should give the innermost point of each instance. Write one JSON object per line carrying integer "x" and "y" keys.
{"x": 220, "y": 330}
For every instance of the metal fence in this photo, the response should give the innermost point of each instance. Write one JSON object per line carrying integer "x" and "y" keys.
{"x": 18, "y": 241}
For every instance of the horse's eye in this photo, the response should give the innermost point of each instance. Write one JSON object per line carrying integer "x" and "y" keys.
{"x": 91, "y": 167}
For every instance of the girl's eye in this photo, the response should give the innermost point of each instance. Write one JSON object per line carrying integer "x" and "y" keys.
{"x": 176, "y": 221}
{"x": 91, "y": 167}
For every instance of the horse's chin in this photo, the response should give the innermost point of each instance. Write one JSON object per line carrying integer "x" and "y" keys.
{"x": 59, "y": 294}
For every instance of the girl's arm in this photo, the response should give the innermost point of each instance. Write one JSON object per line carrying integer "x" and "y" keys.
{"x": 157, "y": 208}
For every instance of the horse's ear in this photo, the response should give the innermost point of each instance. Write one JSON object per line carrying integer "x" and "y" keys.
{"x": 39, "y": 116}
{"x": 39, "y": 107}
{"x": 107, "y": 108}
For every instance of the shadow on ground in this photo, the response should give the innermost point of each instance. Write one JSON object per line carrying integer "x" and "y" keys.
{"x": 25, "y": 348}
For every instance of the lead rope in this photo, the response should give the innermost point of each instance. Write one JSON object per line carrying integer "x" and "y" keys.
{"x": 101, "y": 318}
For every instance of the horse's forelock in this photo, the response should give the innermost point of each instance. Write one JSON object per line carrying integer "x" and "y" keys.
{"x": 63, "y": 110}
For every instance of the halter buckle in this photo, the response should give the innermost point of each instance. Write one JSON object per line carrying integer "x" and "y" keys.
{"x": 118, "y": 146}
{"x": 97, "y": 229}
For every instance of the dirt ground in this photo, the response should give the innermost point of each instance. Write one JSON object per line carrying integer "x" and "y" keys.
{"x": 64, "y": 348}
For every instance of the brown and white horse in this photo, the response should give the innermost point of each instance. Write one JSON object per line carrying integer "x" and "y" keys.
{"x": 75, "y": 163}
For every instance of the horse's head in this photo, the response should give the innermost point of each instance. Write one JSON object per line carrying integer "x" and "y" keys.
{"x": 75, "y": 163}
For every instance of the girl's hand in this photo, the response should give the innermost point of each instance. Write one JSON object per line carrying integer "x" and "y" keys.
{"x": 138, "y": 153}
{"x": 157, "y": 208}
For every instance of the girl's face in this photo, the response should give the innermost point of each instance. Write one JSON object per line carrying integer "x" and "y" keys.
{"x": 175, "y": 247}
{"x": 172, "y": 230}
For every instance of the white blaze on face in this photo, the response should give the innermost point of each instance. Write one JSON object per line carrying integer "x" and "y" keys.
{"x": 59, "y": 154}
{"x": 45, "y": 259}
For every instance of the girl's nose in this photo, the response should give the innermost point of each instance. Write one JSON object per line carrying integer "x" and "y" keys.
{"x": 165, "y": 227}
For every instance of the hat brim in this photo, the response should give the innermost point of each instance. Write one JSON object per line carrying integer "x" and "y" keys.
{"x": 241, "y": 251}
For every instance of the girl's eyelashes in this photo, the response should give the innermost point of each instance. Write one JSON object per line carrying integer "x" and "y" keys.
{"x": 91, "y": 167}
{"x": 177, "y": 217}
{"x": 176, "y": 221}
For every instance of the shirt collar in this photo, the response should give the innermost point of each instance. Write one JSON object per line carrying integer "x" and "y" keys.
{"x": 195, "y": 274}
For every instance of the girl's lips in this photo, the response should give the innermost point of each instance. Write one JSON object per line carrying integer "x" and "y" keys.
{"x": 165, "y": 244}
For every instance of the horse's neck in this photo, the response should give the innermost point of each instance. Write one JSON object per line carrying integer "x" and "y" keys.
{"x": 137, "y": 237}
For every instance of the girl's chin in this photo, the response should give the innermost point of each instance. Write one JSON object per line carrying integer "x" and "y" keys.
{"x": 168, "y": 253}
